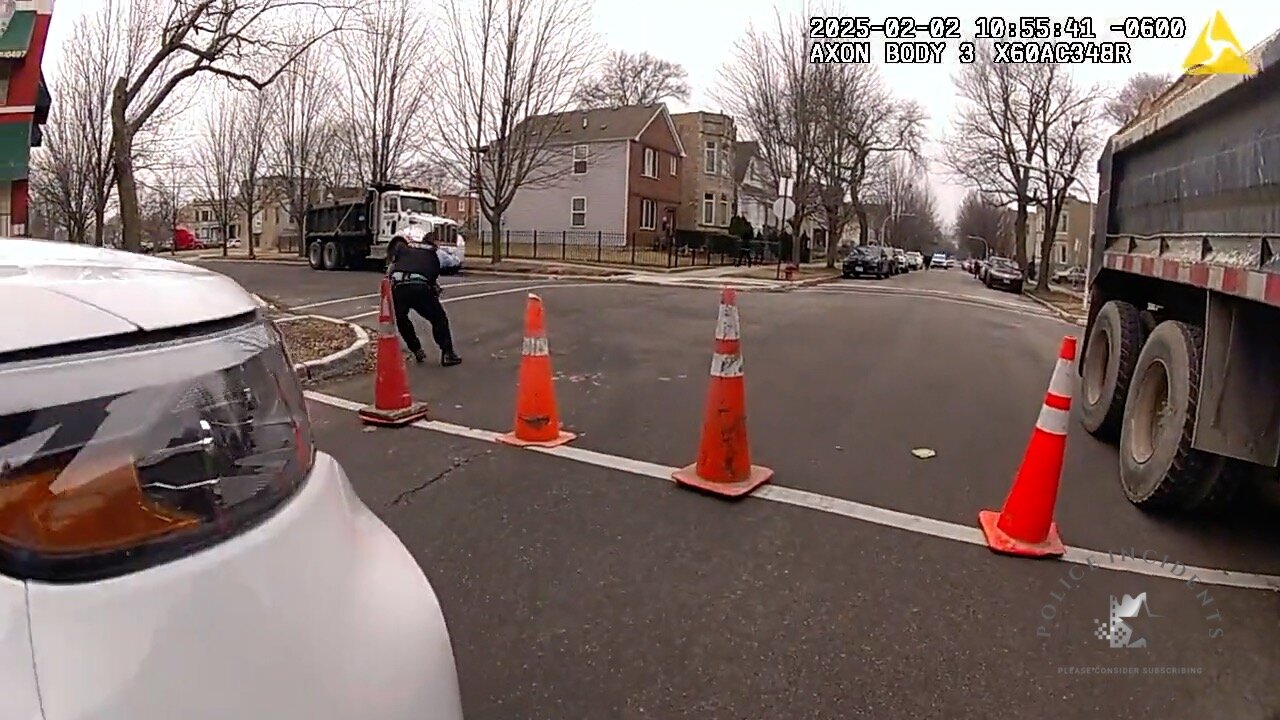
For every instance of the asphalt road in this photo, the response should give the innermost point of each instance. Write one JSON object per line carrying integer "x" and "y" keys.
{"x": 576, "y": 591}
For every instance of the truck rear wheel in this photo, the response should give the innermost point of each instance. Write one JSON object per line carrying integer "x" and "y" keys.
{"x": 1109, "y": 361}
{"x": 1159, "y": 469}
{"x": 333, "y": 255}
{"x": 315, "y": 255}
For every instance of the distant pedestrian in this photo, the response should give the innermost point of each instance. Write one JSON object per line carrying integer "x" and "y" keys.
{"x": 415, "y": 285}
{"x": 928, "y": 261}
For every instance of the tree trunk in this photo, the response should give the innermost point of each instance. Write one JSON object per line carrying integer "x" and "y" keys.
{"x": 1020, "y": 235}
{"x": 300, "y": 215}
{"x": 1046, "y": 251}
{"x": 862, "y": 225}
{"x": 248, "y": 221}
{"x": 495, "y": 230}
{"x": 122, "y": 161}
{"x": 99, "y": 219}
{"x": 832, "y": 222}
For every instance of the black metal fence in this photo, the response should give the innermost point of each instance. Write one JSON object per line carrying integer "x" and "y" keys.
{"x": 614, "y": 248}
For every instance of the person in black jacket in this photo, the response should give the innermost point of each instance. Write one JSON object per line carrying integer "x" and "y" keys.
{"x": 415, "y": 273}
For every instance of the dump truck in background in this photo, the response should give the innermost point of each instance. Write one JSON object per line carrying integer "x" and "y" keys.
{"x": 1181, "y": 360}
{"x": 343, "y": 235}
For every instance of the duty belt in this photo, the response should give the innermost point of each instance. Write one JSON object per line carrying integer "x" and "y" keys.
{"x": 404, "y": 277}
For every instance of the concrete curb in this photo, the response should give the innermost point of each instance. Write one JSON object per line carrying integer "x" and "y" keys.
{"x": 1062, "y": 314}
{"x": 336, "y": 363}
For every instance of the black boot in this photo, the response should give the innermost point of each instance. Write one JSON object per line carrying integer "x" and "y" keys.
{"x": 449, "y": 359}
{"x": 420, "y": 356}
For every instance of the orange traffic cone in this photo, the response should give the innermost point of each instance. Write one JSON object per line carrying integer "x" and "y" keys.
{"x": 724, "y": 457}
{"x": 1025, "y": 525}
{"x": 537, "y": 421}
{"x": 393, "y": 405}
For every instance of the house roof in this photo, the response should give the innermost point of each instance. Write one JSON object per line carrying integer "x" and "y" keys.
{"x": 602, "y": 125}
{"x": 743, "y": 151}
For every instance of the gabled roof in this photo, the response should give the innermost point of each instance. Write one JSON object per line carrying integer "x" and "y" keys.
{"x": 601, "y": 125}
{"x": 743, "y": 152}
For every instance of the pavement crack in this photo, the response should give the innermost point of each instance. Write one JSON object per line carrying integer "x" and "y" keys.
{"x": 454, "y": 463}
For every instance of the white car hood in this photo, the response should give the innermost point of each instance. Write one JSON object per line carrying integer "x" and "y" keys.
{"x": 75, "y": 292}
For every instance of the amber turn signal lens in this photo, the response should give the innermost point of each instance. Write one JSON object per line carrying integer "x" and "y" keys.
{"x": 104, "y": 511}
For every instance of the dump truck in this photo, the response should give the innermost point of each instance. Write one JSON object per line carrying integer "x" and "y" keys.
{"x": 349, "y": 234}
{"x": 1181, "y": 360}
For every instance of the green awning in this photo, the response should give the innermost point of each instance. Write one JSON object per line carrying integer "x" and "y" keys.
{"x": 17, "y": 37}
{"x": 15, "y": 150}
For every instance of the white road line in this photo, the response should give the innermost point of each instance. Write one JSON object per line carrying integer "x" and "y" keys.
{"x": 1027, "y": 310}
{"x": 372, "y": 296}
{"x": 849, "y": 508}
{"x": 492, "y": 293}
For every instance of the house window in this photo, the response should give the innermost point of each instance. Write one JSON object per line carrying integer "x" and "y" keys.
{"x": 710, "y": 155}
{"x": 1062, "y": 253}
{"x": 708, "y": 209}
{"x": 234, "y": 232}
{"x": 673, "y": 165}
{"x": 580, "y": 155}
{"x": 648, "y": 215}
{"x": 650, "y": 163}
{"x": 204, "y": 216}
{"x": 578, "y": 212}
{"x": 724, "y": 209}
{"x": 1062, "y": 222}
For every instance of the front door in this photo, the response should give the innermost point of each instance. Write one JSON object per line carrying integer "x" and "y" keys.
{"x": 389, "y": 216}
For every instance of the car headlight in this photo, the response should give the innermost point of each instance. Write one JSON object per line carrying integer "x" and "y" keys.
{"x": 113, "y": 460}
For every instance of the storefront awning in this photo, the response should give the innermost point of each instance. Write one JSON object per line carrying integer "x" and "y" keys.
{"x": 17, "y": 37}
{"x": 15, "y": 150}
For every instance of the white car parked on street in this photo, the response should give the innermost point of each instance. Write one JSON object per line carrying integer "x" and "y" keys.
{"x": 172, "y": 545}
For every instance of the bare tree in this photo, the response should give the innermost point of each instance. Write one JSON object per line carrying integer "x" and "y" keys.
{"x": 1069, "y": 137}
{"x": 1127, "y": 102}
{"x": 195, "y": 37}
{"x": 388, "y": 67}
{"x": 217, "y": 151}
{"x": 300, "y": 141}
{"x": 251, "y": 116}
{"x": 772, "y": 90}
{"x": 845, "y": 91}
{"x": 59, "y": 179}
{"x": 979, "y": 218}
{"x": 633, "y": 79}
{"x": 884, "y": 132}
{"x": 511, "y": 69}
{"x": 912, "y": 222}
{"x": 997, "y": 132}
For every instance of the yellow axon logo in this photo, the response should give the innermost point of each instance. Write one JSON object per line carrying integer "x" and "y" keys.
{"x": 1217, "y": 52}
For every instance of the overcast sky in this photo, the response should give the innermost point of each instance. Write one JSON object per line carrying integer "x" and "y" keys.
{"x": 701, "y": 35}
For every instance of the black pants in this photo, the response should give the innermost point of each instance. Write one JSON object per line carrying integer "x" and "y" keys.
{"x": 424, "y": 300}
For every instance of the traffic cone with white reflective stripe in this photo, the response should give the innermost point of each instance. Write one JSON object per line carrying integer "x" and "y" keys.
{"x": 537, "y": 420}
{"x": 393, "y": 404}
{"x": 1025, "y": 525}
{"x": 724, "y": 455}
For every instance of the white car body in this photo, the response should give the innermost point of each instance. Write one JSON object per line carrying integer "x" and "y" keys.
{"x": 317, "y": 612}
{"x": 916, "y": 260}
{"x": 940, "y": 260}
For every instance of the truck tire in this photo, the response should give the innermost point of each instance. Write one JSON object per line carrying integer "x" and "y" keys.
{"x": 1159, "y": 470}
{"x": 1109, "y": 360}
{"x": 333, "y": 255}
{"x": 315, "y": 255}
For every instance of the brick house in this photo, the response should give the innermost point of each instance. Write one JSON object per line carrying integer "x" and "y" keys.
{"x": 708, "y": 191}
{"x": 24, "y": 25}
{"x": 461, "y": 209}
{"x": 612, "y": 173}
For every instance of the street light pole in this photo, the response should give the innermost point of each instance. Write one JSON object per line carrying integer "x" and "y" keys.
{"x": 887, "y": 218}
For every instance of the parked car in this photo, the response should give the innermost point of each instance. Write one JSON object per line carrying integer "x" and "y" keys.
{"x": 1004, "y": 274}
{"x": 867, "y": 260}
{"x": 939, "y": 260}
{"x": 1073, "y": 276}
{"x": 900, "y": 260}
{"x": 916, "y": 260}
{"x": 175, "y": 546}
